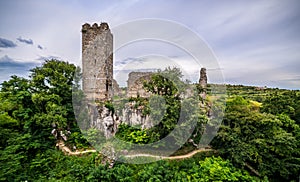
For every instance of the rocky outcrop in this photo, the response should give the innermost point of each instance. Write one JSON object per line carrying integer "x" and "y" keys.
{"x": 107, "y": 122}
{"x": 134, "y": 116}
{"x": 103, "y": 119}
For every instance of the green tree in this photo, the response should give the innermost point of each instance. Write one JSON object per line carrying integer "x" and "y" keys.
{"x": 264, "y": 143}
{"x": 285, "y": 102}
{"x": 30, "y": 110}
{"x": 217, "y": 169}
{"x": 167, "y": 84}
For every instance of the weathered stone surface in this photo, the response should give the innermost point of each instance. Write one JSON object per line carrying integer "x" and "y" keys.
{"x": 134, "y": 116}
{"x": 135, "y": 84}
{"x": 203, "y": 83}
{"x": 97, "y": 61}
{"x": 99, "y": 85}
{"x": 116, "y": 89}
{"x": 103, "y": 119}
{"x": 108, "y": 122}
{"x": 203, "y": 78}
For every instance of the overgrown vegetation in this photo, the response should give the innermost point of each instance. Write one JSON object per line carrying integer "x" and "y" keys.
{"x": 259, "y": 139}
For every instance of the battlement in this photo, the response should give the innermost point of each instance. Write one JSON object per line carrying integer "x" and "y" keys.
{"x": 97, "y": 61}
{"x": 97, "y": 67}
{"x": 89, "y": 32}
{"x": 95, "y": 27}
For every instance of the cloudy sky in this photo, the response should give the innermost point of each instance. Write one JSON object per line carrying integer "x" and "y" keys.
{"x": 255, "y": 42}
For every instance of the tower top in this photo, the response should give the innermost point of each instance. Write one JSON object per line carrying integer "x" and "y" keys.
{"x": 95, "y": 27}
{"x": 90, "y": 32}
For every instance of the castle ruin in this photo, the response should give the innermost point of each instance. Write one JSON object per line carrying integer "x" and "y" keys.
{"x": 97, "y": 67}
{"x": 203, "y": 83}
{"x": 203, "y": 78}
{"x": 97, "y": 61}
{"x": 135, "y": 84}
{"x": 99, "y": 85}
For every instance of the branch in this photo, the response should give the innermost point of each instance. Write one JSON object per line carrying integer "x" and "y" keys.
{"x": 252, "y": 169}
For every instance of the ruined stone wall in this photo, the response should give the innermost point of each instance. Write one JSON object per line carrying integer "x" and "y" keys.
{"x": 133, "y": 116}
{"x": 117, "y": 91}
{"x": 135, "y": 84}
{"x": 97, "y": 61}
{"x": 203, "y": 83}
{"x": 203, "y": 78}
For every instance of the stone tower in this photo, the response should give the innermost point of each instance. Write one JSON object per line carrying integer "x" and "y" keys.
{"x": 203, "y": 78}
{"x": 203, "y": 83}
{"x": 97, "y": 61}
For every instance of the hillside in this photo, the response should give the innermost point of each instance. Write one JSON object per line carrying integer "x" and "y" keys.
{"x": 258, "y": 140}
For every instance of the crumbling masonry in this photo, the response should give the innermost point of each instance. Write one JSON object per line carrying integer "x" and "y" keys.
{"x": 97, "y": 67}
{"x": 135, "y": 84}
{"x": 97, "y": 61}
{"x": 203, "y": 83}
{"x": 97, "y": 75}
{"x": 99, "y": 85}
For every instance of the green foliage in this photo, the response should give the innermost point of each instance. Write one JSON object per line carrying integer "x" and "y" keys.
{"x": 167, "y": 84}
{"x": 163, "y": 107}
{"x": 217, "y": 169}
{"x": 157, "y": 107}
{"x": 133, "y": 134}
{"x": 210, "y": 169}
{"x": 29, "y": 108}
{"x": 138, "y": 136}
{"x": 77, "y": 139}
{"x": 191, "y": 122}
{"x": 260, "y": 130}
{"x": 109, "y": 106}
{"x": 159, "y": 171}
{"x": 268, "y": 143}
{"x": 286, "y": 102}
{"x": 95, "y": 137}
{"x": 140, "y": 102}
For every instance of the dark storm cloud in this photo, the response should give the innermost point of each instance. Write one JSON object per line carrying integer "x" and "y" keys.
{"x": 9, "y": 67}
{"x": 5, "y": 43}
{"x": 26, "y": 41}
{"x": 8, "y": 63}
{"x": 40, "y": 47}
{"x": 43, "y": 58}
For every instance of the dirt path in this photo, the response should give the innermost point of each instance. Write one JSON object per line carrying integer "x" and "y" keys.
{"x": 191, "y": 154}
{"x": 61, "y": 145}
{"x": 171, "y": 157}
